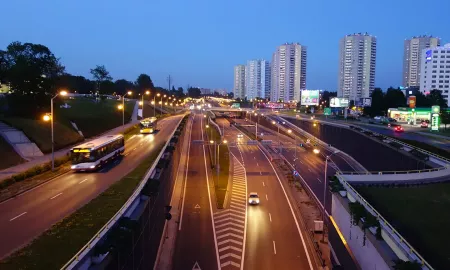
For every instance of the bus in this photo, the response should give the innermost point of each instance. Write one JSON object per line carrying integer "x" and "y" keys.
{"x": 94, "y": 154}
{"x": 148, "y": 125}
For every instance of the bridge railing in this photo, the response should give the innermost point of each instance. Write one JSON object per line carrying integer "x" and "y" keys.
{"x": 407, "y": 249}
{"x": 392, "y": 172}
{"x": 86, "y": 249}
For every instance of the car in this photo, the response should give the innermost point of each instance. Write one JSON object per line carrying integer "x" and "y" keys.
{"x": 253, "y": 198}
{"x": 398, "y": 129}
{"x": 392, "y": 119}
{"x": 240, "y": 136}
{"x": 424, "y": 124}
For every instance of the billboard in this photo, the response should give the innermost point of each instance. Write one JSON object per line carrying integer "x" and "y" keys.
{"x": 339, "y": 102}
{"x": 366, "y": 102}
{"x": 412, "y": 101}
{"x": 309, "y": 97}
{"x": 428, "y": 55}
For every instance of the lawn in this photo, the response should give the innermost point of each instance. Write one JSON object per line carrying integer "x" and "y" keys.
{"x": 94, "y": 118}
{"x": 221, "y": 180}
{"x": 40, "y": 133}
{"x": 57, "y": 245}
{"x": 11, "y": 158}
{"x": 425, "y": 146}
{"x": 420, "y": 214}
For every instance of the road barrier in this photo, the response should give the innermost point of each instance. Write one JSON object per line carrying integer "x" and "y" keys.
{"x": 81, "y": 260}
{"x": 394, "y": 235}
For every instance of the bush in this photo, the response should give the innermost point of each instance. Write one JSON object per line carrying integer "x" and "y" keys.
{"x": 7, "y": 182}
{"x": 19, "y": 177}
{"x": 37, "y": 169}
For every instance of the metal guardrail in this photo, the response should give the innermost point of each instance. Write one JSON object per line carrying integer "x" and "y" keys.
{"x": 393, "y": 172}
{"x": 409, "y": 250}
{"x": 216, "y": 125}
{"x": 72, "y": 263}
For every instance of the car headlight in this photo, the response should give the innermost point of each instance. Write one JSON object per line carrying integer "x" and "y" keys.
{"x": 73, "y": 166}
{"x": 141, "y": 130}
{"x": 250, "y": 200}
{"x": 92, "y": 167}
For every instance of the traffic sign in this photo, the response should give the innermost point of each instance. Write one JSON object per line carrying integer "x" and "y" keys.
{"x": 327, "y": 111}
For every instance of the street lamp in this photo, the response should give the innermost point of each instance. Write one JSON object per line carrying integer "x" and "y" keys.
{"x": 142, "y": 102}
{"x": 317, "y": 151}
{"x": 154, "y": 102}
{"x": 50, "y": 118}
{"x": 123, "y": 107}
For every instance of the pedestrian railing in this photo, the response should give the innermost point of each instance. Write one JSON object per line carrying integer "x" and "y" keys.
{"x": 395, "y": 236}
{"x": 392, "y": 172}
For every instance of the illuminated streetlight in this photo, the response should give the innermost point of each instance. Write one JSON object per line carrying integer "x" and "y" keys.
{"x": 147, "y": 92}
{"x": 141, "y": 103}
{"x": 211, "y": 142}
{"x": 289, "y": 131}
{"x": 316, "y": 151}
{"x": 129, "y": 93}
{"x": 46, "y": 117}
{"x": 120, "y": 107}
{"x": 50, "y": 118}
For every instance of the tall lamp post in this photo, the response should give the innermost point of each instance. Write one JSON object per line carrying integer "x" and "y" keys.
{"x": 325, "y": 182}
{"x": 50, "y": 118}
{"x": 142, "y": 102}
{"x": 122, "y": 107}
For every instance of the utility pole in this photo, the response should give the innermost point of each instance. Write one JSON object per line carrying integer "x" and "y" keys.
{"x": 169, "y": 80}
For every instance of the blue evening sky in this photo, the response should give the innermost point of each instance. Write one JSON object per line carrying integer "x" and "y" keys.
{"x": 198, "y": 42}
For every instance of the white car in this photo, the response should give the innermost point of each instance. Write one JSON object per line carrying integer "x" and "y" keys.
{"x": 240, "y": 136}
{"x": 253, "y": 198}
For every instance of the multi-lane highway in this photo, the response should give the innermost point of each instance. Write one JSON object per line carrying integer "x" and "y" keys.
{"x": 28, "y": 215}
{"x": 195, "y": 244}
{"x": 273, "y": 230}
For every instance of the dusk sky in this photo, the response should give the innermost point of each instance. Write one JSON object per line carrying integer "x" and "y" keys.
{"x": 198, "y": 42}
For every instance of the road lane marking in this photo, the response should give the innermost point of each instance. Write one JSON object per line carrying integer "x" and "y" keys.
{"x": 83, "y": 181}
{"x": 319, "y": 179}
{"x": 257, "y": 164}
{"x": 57, "y": 195}
{"x": 264, "y": 184}
{"x": 270, "y": 217}
{"x": 18, "y": 216}
{"x": 309, "y": 169}
{"x": 292, "y": 211}
{"x": 209, "y": 199}
{"x": 260, "y": 173}
{"x": 267, "y": 198}
{"x": 126, "y": 154}
{"x": 274, "y": 248}
{"x": 301, "y": 162}
{"x": 185, "y": 176}
{"x": 135, "y": 148}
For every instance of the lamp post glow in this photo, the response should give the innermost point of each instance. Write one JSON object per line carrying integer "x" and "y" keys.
{"x": 142, "y": 102}
{"x": 317, "y": 151}
{"x": 51, "y": 117}
{"x": 123, "y": 107}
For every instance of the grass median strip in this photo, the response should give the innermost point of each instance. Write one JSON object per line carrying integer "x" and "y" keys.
{"x": 63, "y": 240}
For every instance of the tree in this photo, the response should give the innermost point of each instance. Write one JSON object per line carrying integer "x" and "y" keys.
{"x": 180, "y": 92}
{"x": 30, "y": 68}
{"x": 325, "y": 98}
{"x": 144, "y": 83}
{"x": 393, "y": 98}
{"x": 194, "y": 92}
{"x": 436, "y": 98}
{"x": 231, "y": 95}
{"x": 422, "y": 100}
{"x": 377, "y": 103}
{"x": 100, "y": 74}
{"x": 408, "y": 265}
{"x": 445, "y": 118}
{"x": 121, "y": 86}
{"x": 77, "y": 84}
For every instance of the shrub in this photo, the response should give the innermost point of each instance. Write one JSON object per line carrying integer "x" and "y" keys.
{"x": 38, "y": 169}
{"x": 7, "y": 182}
{"x": 19, "y": 177}
{"x": 30, "y": 173}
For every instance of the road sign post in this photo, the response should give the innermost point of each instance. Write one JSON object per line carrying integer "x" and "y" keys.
{"x": 435, "y": 119}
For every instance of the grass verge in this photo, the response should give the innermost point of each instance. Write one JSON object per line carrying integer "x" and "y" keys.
{"x": 220, "y": 178}
{"x": 420, "y": 214}
{"x": 57, "y": 245}
{"x": 425, "y": 146}
{"x": 8, "y": 151}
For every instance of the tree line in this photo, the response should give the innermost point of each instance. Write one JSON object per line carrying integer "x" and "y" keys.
{"x": 33, "y": 74}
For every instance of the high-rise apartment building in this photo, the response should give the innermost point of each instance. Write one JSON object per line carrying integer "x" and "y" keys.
{"x": 412, "y": 58}
{"x": 257, "y": 73}
{"x": 357, "y": 54}
{"x": 239, "y": 81}
{"x": 288, "y": 72}
{"x": 435, "y": 71}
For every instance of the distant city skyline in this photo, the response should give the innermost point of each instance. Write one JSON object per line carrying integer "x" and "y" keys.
{"x": 203, "y": 50}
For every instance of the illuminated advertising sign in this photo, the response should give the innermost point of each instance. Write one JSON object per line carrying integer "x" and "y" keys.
{"x": 366, "y": 102}
{"x": 309, "y": 97}
{"x": 435, "y": 121}
{"x": 428, "y": 55}
{"x": 339, "y": 102}
{"x": 236, "y": 105}
{"x": 412, "y": 101}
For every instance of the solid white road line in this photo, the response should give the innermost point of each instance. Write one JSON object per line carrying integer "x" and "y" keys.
{"x": 270, "y": 217}
{"x": 267, "y": 198}
{"x": 185, "y": 177}
{"x": 82, "y": 181}
{"x": 319, "y": 180}
{"x": 18, "y": 216}
{"x": 309, "y": 169}
{"x": 274, "y": 248}
{"x": 301, "y": 162}
{"x": 209, "y": 199}
{"x": 292, "y": 211}
{"x": 264, "y": 184}
{"x": 57, "y": 195}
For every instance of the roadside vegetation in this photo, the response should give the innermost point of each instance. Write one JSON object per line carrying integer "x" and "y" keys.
{"x": 221, "y": 178}
{"x": 10, "y": 157}
{"x": 67, "y": 237}
{"x": 419, "y": 213}
{"x": 425, "y": 146}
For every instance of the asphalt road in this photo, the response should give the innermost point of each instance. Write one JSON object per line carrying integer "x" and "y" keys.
{"x": 373, "y": 155}
{"x": 28, "y": 215}
{"x": 195, "y": 238}
{"x": 311, "y": 168}
{"x": 273, "y": 239}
